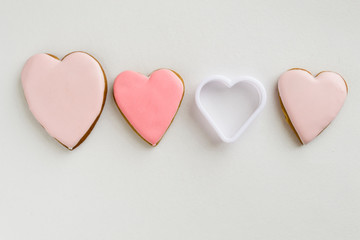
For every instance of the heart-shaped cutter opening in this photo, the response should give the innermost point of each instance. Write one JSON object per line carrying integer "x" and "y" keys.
{"x": 261, "y": 94}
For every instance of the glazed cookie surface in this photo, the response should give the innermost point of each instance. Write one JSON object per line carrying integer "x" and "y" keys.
{"x": 66, "y": 96}
{"x": 311, "y": 103}
{"x": 149, "y": 104}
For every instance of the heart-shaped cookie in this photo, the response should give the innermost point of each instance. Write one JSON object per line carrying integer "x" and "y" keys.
{"x": 260, "y": 95}
{"x": 149, "y": 104}
{"x": 66, "y": 96}
{"x": 311, "y": 103}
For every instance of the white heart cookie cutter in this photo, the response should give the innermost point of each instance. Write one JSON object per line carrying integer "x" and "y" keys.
{"x": 230, "y": 83}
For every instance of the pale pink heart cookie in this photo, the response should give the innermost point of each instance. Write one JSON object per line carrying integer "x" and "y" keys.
{"x": 66, "y": 96}
{"x": 149, "y": 104}
{"x": 311, "y": 103}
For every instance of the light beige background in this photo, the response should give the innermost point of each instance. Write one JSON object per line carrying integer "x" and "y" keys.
{"x": 114, "y": 186}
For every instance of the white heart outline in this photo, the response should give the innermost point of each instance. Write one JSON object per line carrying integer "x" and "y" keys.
{"x": 230, "y": 83}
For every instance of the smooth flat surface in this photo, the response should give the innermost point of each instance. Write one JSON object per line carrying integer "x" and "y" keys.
{"x": 191, "y": 186}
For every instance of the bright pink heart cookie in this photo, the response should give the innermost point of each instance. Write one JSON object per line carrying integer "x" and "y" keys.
{"x": 311, "y": 103}
{"x": 66, "y": 96}
{"x": 149, "y": 103}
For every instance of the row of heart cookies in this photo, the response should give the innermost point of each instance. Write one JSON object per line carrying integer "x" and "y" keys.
{"x": 67, "y": 97}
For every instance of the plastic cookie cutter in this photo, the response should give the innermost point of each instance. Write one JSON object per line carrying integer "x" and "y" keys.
{"x": 249, "y": 82}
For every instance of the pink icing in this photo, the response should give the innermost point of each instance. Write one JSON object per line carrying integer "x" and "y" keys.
{"x": 311, "y": 103}
{"x": 149, "y": 104}
{"x": 66, "y": 96}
